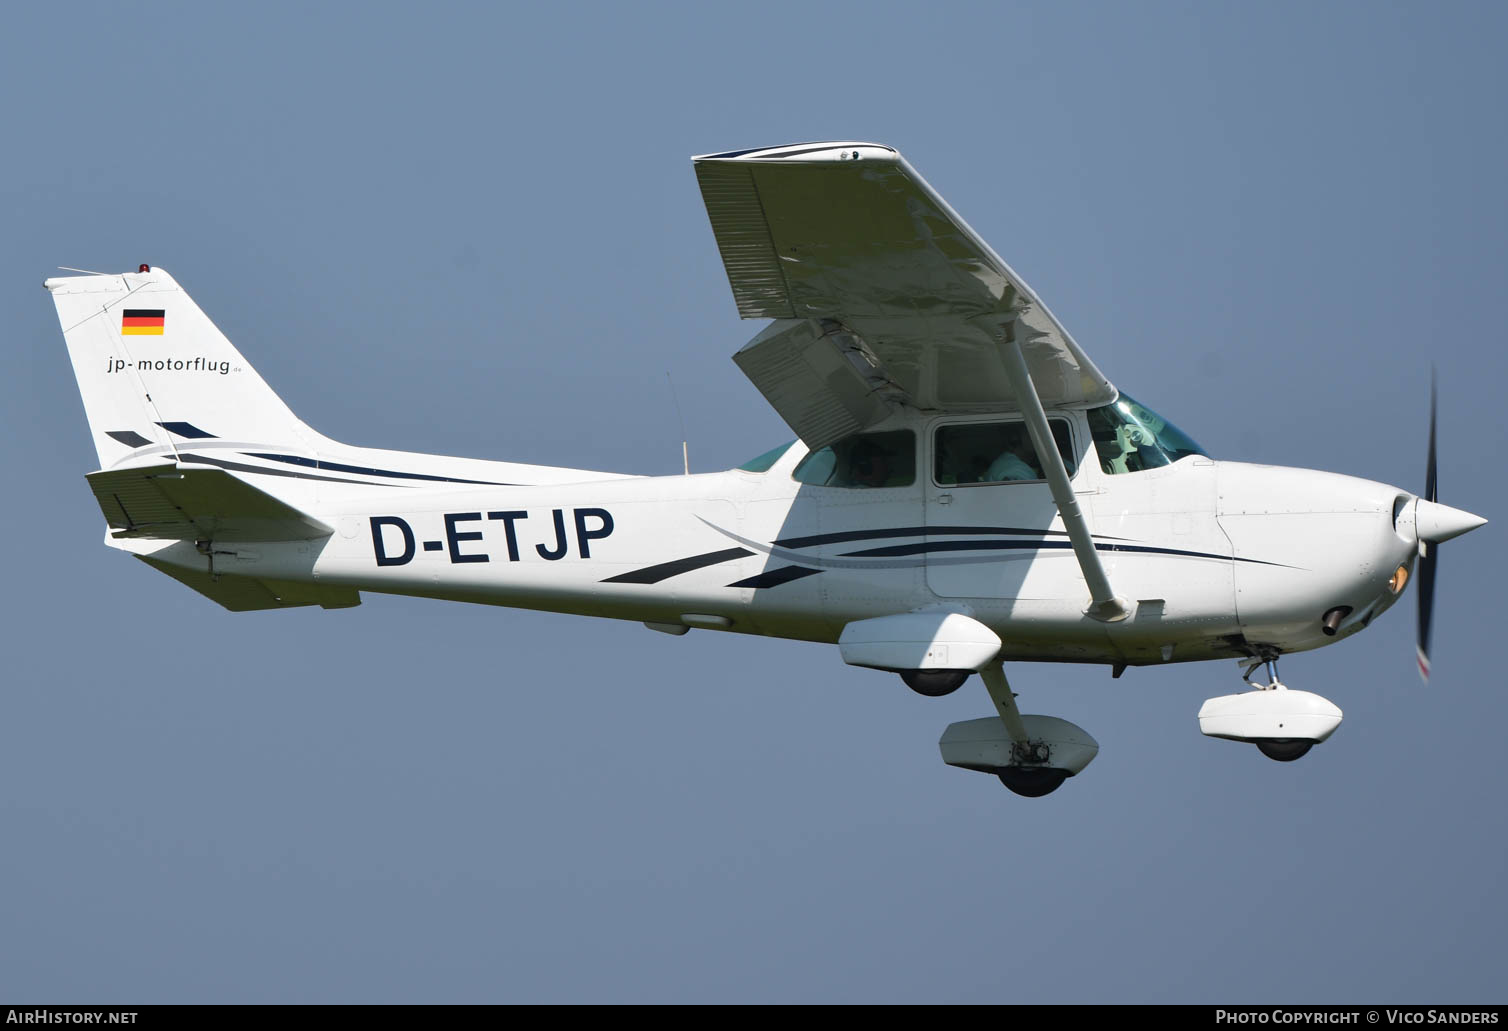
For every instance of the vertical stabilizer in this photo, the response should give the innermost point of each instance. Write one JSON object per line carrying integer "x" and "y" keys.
{"x": 155, "y": 373}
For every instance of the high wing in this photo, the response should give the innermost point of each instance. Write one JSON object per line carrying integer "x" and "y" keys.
{"x": 881, "y": 293}
{"x": 883, "y": 298}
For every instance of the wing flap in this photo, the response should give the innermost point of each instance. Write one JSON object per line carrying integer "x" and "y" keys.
{"x": 821, "y": 379}
{"x": 169, "y": 502}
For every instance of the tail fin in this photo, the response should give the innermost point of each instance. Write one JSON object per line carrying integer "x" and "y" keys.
{"x": 153, "y": 369}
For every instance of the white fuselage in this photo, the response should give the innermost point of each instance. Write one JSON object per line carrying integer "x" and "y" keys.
{"x": 1216, "y": 559}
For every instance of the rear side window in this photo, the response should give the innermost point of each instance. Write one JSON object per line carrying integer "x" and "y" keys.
{"x": 862, "y": 460}
{"x": 763, "y": 462}
{"x": 994, "y": 452}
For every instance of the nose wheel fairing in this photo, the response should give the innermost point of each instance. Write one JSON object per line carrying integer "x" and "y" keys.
{"x": 1282, "y": 723}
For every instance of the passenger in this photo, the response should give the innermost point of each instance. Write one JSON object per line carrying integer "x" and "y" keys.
{"x": 1017, "y": 462}
{"x": 869, "y": 466}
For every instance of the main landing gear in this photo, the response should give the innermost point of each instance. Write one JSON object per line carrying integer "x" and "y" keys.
{"x": 934, "y": 683}
{"x": 1282, "y": 723}
{"x": 1032, "y": 755}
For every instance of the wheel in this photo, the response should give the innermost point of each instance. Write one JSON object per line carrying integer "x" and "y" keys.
{"x": 1285, "y": 750}
{"x": 1032, "y": 781}
{"x": 934, "y": 683}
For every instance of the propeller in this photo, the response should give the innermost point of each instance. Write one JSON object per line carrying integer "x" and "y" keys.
{"x": 1427, "y": 554}
{"x": 1433, "y": 523}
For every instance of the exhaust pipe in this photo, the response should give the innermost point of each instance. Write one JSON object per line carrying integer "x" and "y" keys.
{"x": 1331, "y": 620}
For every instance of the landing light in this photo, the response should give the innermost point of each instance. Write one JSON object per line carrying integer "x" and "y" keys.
{"x": 1399, "y": 578}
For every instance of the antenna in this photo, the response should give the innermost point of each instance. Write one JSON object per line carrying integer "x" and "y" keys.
{"x": 685, "y": 455}
{"x": 87, "y": 272}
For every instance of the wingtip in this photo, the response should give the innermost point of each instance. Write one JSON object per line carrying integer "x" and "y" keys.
{"x": 807, "y": 153}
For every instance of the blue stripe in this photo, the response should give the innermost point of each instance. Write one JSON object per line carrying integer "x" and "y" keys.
{"x": 262, "y": 470}
{"x": 844, "y": 536}
{"x": 186, "y": 429}
{"x": 924, "y": 547}
{"x": 776, "y": 577}
{"x": 665, "y": 570}
{"x": 319, "y": 463}
{"x": 130, "y": 438}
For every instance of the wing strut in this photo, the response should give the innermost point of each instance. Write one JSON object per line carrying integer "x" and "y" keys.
{"x": 1105, "y": 605}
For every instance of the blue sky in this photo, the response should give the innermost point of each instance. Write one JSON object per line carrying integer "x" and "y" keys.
{"x": 473, "y": 229}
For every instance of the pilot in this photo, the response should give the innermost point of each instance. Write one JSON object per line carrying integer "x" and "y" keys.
{"x": 1017, "y": 462}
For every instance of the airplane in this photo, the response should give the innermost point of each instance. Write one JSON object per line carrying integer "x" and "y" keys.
{"x": 966, "y": 488}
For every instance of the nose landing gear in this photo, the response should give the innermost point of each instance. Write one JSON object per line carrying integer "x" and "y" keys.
{"x": 1284, "y": 751}
{"x": 1282, "y": 723}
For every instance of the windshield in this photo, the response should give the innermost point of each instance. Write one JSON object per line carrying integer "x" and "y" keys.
{"x": 1129, "y": 437}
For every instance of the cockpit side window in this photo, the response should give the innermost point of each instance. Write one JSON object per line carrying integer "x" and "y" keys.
{"x": 994, "y": 452}
{"x": 1129, "y": 437}
{"x": 862, "y": 460}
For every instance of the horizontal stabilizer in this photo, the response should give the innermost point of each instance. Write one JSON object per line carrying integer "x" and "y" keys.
{"x": 168, "y": 502}
{"x": 243, "y": 593}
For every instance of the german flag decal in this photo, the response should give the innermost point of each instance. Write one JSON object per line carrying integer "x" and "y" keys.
{"x": 141, "y": 322}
